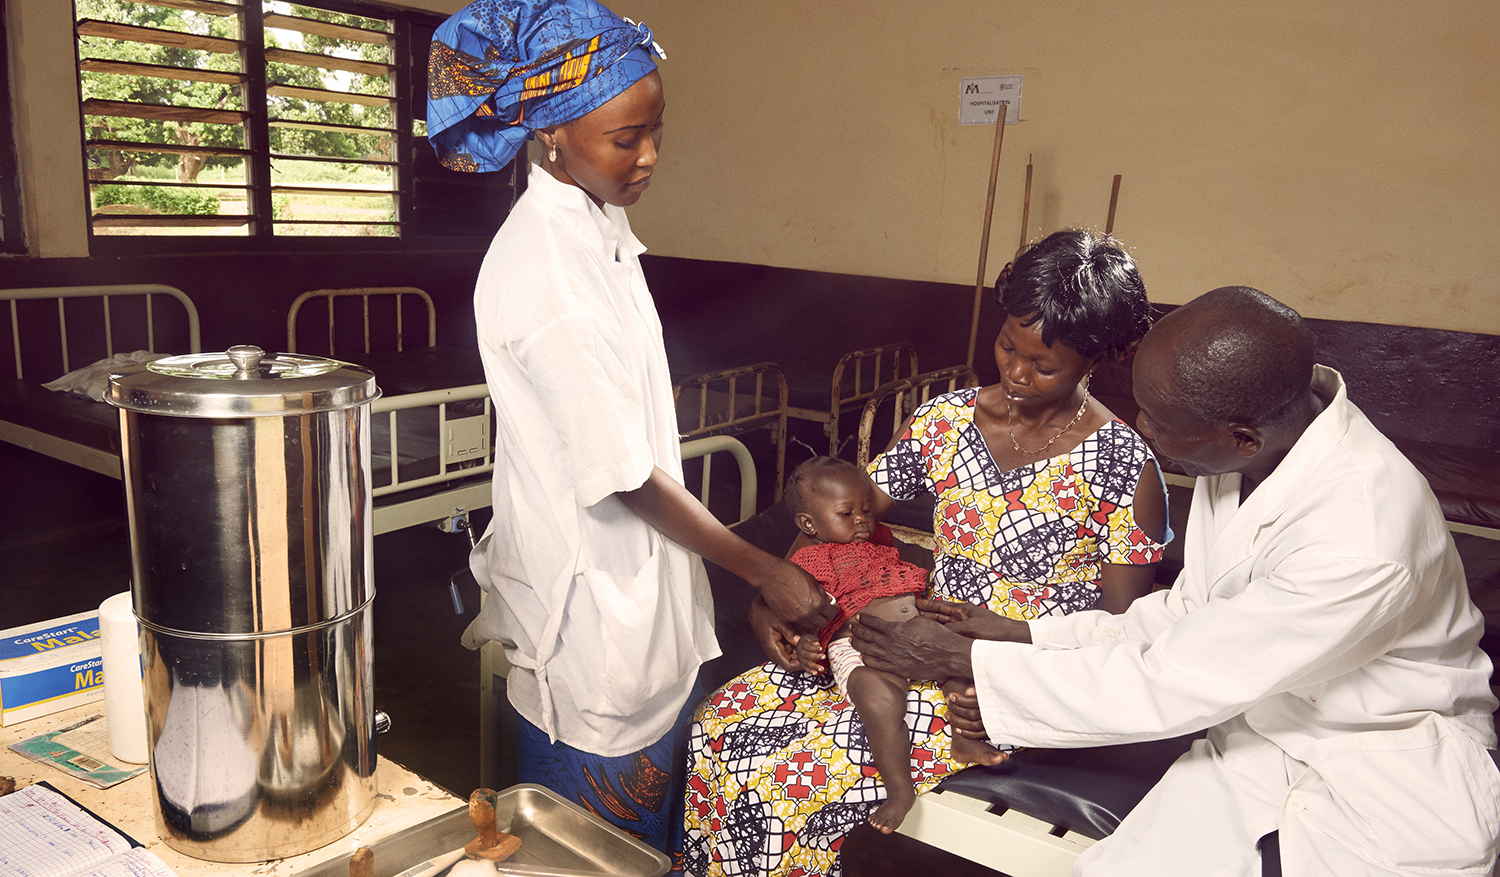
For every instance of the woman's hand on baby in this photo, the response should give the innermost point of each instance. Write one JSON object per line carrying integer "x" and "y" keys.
{"x": 975, "y": 621}
{"x": 777, "y": 638}
{"x": 943, "y": 611}
{"x": 795, "y": 596}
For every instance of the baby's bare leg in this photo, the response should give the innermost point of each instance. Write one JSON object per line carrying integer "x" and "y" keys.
{"x": 880, "y": 699}
{"x": 965, "y": 749}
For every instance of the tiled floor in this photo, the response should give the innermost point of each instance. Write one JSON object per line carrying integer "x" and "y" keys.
{"x": 64, "y": 547}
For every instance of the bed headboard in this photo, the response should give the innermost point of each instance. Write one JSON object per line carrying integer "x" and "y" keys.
{"x": 54, "y": 330}
{"x": 396, "y": 331}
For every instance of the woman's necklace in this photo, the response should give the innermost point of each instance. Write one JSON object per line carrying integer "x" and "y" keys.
{"x": 1010, "y": 421}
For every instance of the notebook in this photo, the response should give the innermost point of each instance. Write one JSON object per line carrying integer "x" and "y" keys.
{"x": 44, "y": 833}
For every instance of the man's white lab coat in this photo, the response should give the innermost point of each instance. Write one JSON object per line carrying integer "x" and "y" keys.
{"x": 1323, "y": 633}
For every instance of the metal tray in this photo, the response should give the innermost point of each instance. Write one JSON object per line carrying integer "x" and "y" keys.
{"x": 558, "y": 838}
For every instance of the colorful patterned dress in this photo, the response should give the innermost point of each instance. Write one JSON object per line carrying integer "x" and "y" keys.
{"x": 780, "y": 770}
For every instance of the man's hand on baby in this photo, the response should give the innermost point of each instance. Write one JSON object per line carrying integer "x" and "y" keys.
{"x": 974, "y": 621}
{"x": 963, "y": 715}
{"x": 917, "y": 649}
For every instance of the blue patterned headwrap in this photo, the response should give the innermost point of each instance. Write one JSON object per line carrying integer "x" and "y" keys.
{"x": 500, "y": 69}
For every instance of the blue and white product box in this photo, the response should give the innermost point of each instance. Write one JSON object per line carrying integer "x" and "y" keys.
{"x": 49, "y": 667}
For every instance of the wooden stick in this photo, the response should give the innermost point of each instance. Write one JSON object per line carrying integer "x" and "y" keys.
{"x": 362, "y": 863}
{"x": 1025, "y": 208}
{"x": 492, "y": 844}
{"x": 984, "y": 240}
{"x": 1114, "y": 199}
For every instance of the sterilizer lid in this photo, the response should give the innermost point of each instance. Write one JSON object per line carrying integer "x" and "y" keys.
{"x": 243, "y": 381}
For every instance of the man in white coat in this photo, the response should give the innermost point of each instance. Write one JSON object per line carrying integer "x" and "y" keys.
{"x": 1321, "y": 630}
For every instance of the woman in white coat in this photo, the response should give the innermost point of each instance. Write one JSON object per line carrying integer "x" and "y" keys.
{"x": 592, "y": 561}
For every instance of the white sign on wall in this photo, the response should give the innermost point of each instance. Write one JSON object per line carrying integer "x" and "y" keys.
{"x": 980, "y": 97}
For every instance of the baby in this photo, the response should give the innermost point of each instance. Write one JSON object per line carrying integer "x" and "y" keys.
{"x": 854, "y": 558}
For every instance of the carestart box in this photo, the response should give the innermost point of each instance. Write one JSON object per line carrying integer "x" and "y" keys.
{"x": 48, "y": 667}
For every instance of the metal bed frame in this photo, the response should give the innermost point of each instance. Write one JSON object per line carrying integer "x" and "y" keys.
{"x": 115, "y": 339}
{"x": 856, "y": 377}
{"x": 364, "y": 294}
{"x": 905, "y": 395}
{"x": 735, "y": 400}
{"x": 464, "y": 438}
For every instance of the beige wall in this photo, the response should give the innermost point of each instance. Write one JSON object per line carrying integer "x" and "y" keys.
{"x": 1340, "y": 155}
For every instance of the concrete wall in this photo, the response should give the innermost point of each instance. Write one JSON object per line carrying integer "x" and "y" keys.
{"x": 1339, "y": 155}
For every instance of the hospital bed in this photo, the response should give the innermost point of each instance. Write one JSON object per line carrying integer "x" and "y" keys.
{"x": 732, "y": 401}
{"x": 56, "y": 330}
{"x": 856, "y": 377}
{"x": 430, "y": 432}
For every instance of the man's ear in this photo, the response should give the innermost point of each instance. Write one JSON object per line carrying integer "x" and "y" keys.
{"x": 1248, "y": 441}
{"x": 804, "y": 523}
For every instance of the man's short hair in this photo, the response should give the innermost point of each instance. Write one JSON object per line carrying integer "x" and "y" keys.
{"x": 1252, "y": 358}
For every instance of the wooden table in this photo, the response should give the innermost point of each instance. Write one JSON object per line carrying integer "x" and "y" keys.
{"x": 403, "y": 799}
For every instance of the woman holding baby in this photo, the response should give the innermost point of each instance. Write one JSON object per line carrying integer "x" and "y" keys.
{"x": 1046, "y": 503}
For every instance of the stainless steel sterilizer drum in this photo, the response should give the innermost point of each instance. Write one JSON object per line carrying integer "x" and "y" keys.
{"x": 248, "y": 482}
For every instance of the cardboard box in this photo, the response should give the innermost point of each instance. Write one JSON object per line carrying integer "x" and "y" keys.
{"x": 51, "y": 666}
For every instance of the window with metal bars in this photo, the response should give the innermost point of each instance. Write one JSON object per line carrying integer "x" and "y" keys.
{"x": 262, "y": 119}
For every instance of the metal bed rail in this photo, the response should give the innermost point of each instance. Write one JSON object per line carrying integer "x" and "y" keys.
{"x": 734, "y": 400}
{"x": 111, "y": 337}
{"x": 906, "y": 394}
{"x": 856, "y": 377}
{"x": 364, "y": 294}
{"x": 465, "y": 448}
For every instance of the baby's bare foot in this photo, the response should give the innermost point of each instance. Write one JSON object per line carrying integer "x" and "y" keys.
{"x": 971, "y": 751}
{"x": 887, "y": 817}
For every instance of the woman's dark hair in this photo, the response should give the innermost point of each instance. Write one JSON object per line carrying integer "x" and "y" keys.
{"x": 1085, "y": 291}
{"x": 797, "y": 484}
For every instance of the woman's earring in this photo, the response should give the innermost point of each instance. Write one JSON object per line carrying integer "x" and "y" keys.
{"x": 552, "y": 152}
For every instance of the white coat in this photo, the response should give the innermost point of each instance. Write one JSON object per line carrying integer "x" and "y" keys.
{"x": 1323, "y": 633}
{"x": 603, "y": 619}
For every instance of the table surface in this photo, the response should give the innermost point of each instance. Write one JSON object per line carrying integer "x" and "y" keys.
{"x": 403, "y": 799}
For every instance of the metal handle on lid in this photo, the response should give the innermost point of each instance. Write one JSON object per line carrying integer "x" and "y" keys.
{"x": 246, "y": 359}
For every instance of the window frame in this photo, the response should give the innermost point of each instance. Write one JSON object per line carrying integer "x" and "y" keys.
{"x": 498, "y": 190}
{"x": 12, "y": 234}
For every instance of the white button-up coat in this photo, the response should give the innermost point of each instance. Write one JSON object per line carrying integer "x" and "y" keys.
{"x": 1323, "y": 633}
{"x": 603, "y": 619}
